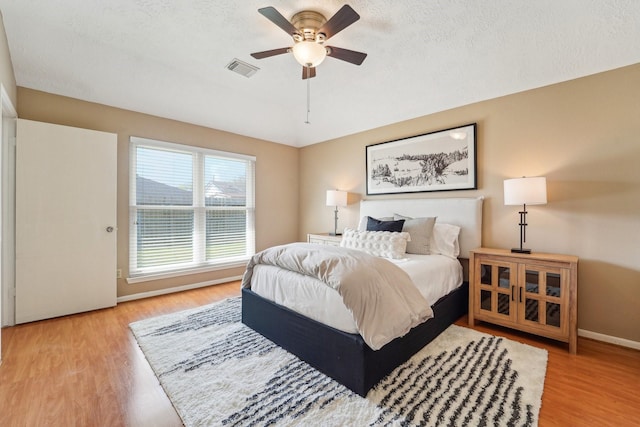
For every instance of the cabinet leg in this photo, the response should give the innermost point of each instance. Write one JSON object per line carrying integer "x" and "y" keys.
{"x": 573, "y": 344}
{"x": 472, "y": 321}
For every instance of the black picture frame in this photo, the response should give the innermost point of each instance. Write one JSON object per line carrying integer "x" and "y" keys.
{"x": 443, "y": 160}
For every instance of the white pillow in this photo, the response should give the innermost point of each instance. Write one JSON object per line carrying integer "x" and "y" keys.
{"x": 421, "y": 230}
{"x": 377, "y": 243}
{"x": 444, "y": 240}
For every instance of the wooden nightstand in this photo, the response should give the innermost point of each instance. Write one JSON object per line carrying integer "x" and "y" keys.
{"x": 535, "y": 293}
{"x": 324, "y": 239}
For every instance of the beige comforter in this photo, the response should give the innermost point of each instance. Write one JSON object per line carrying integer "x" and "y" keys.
{"x": 382, "y": 298}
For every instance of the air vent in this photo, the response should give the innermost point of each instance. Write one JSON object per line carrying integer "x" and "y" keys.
{"x": 242, "y": 68}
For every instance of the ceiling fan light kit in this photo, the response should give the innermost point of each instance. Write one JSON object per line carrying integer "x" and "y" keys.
{"x": 309, "y": 53}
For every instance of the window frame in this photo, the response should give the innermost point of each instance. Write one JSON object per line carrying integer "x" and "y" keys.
{"x": 198, "y": 207}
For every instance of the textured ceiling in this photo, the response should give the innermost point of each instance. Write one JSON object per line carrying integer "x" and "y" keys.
{"x": 168, "y": 57}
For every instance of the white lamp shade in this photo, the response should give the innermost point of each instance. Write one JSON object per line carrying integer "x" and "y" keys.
{"x": 525, "y": 191}
{"x": 309, "y": 53}
{"x": 336, "y": 198}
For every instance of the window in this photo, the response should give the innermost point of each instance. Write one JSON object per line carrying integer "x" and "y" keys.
{"x": 190, "y": 208}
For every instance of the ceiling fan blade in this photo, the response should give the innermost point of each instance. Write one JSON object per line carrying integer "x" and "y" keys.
{"x": 338, "y": 22}
{"x": 308, "y": 72}
{"x": 346, "y": 55}
{"x": 276, "y": 17}
{"x": 268, "y": 53}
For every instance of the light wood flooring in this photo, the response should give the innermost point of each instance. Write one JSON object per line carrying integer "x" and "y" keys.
{"x": 87, "y": 370}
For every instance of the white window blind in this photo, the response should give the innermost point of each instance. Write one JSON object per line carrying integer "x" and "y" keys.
{"x": 190, "y": 207}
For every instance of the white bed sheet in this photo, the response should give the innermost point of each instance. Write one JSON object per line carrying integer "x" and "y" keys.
{"x": 434, "y": 276}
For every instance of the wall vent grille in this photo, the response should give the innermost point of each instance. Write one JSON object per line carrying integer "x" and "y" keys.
{"x": 242, "y": 68}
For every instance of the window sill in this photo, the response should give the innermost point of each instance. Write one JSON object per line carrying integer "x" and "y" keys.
{"x": 147, "y": 277}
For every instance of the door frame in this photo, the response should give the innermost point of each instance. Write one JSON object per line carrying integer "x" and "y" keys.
{"x": 7, "y": 209}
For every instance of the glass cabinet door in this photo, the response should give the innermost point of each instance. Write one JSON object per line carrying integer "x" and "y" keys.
{"x": 540, "y": 293}
{"x": 495, "y": 292}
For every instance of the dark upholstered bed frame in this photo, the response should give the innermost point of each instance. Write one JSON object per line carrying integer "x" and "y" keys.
{"x": 346, "y": 357}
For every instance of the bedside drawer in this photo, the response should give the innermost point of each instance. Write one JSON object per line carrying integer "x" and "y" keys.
{"x": 324, "y": 239}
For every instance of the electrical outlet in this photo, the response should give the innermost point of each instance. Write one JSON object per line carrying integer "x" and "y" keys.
{"x": 119, "y": 273}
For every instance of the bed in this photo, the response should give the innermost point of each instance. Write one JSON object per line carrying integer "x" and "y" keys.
{"x": 342, "y": 353}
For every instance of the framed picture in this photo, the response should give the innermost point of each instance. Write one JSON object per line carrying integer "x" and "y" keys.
{"x": 437, "y": 161}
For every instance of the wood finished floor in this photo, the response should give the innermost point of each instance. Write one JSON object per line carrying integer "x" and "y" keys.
{"x": 87, "y": 370}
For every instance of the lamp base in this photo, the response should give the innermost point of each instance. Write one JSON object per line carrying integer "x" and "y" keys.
{"x": 521, "y": 251}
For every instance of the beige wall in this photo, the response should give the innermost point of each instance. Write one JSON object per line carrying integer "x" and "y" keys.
{"x": 583, "y": 135}
{"x": 276, "y": 171}
{"x": 7, "y": 77}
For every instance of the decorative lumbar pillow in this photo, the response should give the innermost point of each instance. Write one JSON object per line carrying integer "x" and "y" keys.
{"x": 385, "y": 244}
{"x": 444, "y": 240}
{"x": 362, "y": 226}
{"x": 420, "y": 230}
{"x": 380, "y": 225}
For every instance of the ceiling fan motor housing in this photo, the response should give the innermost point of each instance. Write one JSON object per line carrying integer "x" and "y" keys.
{"x": 308, "y": 23}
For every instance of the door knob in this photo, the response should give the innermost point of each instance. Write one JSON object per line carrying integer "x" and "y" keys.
{"x": 109, "y": 229}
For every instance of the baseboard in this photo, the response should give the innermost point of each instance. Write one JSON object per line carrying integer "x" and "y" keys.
{"x": 581, "y": 332}
{"x": 166, "y": 291}
{"x": 609, "y": 339}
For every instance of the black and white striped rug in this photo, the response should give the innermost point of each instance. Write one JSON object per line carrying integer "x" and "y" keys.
{"x": 217, "y": 371}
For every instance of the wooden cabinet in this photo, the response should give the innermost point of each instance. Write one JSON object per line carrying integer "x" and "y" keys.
{"x": 324, "y": 239}
{"x": 535, "y": 293}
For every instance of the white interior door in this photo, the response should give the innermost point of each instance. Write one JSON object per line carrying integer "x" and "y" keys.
{"x": 65, "y": 207}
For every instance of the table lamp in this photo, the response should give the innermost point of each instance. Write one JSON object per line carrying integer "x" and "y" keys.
{"x": 336, "y": 198}
{"x": 525, "y": 191}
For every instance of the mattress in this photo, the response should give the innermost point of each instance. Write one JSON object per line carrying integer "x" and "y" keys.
{"x": 434, "y": 275}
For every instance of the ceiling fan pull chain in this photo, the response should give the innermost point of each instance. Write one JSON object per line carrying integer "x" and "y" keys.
{"x": 308, "y": 94}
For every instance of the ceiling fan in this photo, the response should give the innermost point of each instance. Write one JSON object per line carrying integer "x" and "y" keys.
{"x": 310, "y": 30}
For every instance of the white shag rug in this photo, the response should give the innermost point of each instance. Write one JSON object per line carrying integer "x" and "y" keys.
{"x": 217, "y": 371}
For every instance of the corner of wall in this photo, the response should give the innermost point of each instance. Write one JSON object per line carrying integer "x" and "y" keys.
{"x": 7, "y": 76}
